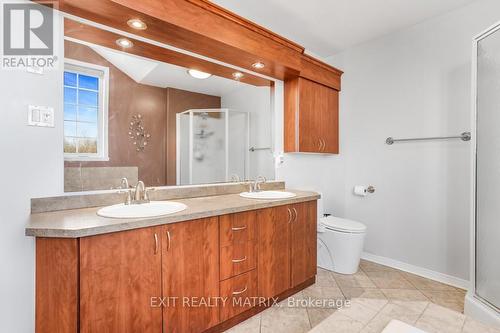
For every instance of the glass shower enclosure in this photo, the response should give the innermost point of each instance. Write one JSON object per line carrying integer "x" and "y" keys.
{"x": 483, "y": 300}
{"x": 212, "y": 146}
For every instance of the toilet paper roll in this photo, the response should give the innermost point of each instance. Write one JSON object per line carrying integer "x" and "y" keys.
{"x": 360, "y": 190}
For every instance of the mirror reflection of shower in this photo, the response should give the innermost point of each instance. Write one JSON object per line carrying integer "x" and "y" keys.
{"x": 212, "y": 146}
{"x": 202, "y": 134}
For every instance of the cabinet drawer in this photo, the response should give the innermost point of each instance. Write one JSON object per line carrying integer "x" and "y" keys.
{"x": 236, "y": 228}
{"x": 241, "y": 294}
{"x": 238, "y": 258}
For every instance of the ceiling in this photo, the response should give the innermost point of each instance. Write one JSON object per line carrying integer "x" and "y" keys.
{"x": 326, "y": 27}
{"x": 163, "y": 75}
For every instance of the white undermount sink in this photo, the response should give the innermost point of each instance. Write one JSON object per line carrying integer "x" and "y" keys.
{"x": 268, "y": 195}
{"x": 151, "y": 209}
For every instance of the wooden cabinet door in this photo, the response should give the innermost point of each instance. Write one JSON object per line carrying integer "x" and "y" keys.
{"x": 329, "y": 120}
{"x": 309, "y": 125}
{"x": 273, "y": 264}
{"x": 190, "y": 268}
{"x": 318, "y": 118}
{"x": 119, "y": 274}
{"x": 303, "y": 242}
{"x": 311, "y": 117}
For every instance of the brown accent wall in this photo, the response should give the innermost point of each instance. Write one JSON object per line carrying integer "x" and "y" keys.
{"x": 180, "y": 101}
{"x": 158, "y": 107}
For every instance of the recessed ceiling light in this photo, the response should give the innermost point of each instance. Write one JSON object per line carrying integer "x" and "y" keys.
{"x": 137, "y": 24}
{"x": 198, "y": 74}
{"x": 124, "y": 42}
{"x": 237, "y": 75}
{"x": 258, "y": 65}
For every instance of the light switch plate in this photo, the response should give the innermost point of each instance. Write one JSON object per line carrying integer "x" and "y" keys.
{"x": 41, "y": 116}
{"x": 279, "y": 159}
{"x": 35, "y": 70}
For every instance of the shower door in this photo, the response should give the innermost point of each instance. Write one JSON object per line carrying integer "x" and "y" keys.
{"x": 487, "y": 214}
{"x": 212, "y": 146}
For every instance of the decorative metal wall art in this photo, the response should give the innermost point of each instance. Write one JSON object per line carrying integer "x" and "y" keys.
{"x": 137, "y": 133}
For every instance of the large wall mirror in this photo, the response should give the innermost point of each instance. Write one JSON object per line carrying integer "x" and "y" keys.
{"x": 142, "y": 111}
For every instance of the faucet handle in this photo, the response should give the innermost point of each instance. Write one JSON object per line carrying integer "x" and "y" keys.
{"x": 261, "y": 179}
{"x": 128, "y": 199}
{"x": 146, "y": 192}
{"x": 235, "y": 178}
{"x": 124, "y": 183}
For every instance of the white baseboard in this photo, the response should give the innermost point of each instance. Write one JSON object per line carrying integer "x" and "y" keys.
{"x": 424, "y": 272}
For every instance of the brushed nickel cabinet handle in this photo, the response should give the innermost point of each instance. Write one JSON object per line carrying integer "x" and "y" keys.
{"x": 289, "y": 215}
{"x": 320, "y": 144}
{"x": 239, "y": 260}
{"x": 169, "y": 240}
{"x": 296, "y": 214}
{"x": 239, "y": 228}
{"x": 240, "y": 292}
{"x": 156, "y": 243}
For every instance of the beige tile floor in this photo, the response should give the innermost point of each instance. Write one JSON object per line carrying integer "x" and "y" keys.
{"x": 377, "y": 294}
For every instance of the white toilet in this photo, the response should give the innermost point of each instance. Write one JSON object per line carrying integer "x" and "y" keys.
{"x": 340, "y": 243}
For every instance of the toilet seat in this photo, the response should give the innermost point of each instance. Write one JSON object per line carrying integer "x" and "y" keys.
{"x": 342, "y": 225}
{"x": 340, "y": 244}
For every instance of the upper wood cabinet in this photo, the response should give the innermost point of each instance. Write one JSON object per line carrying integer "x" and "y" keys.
{"x": 311, "y": 117}
{"x": 119, "y": 273}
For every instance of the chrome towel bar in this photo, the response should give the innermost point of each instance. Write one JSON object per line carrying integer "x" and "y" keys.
{"x": 254, "y": 149}
{"x": 465, "y": 136}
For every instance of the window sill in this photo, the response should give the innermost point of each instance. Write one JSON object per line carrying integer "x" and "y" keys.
{"x": 85, "y": 159}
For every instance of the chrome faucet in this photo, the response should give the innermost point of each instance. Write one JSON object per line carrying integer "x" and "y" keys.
{"x": 235, "y": 178}
{"x": 125, "y": 187}
{"x": 140, "y": 193}
{"x": 255, "y": 185}
{"x": 124, "y": 183}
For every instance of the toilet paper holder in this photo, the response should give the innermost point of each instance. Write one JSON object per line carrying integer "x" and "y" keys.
{"x": 363, "y": 191}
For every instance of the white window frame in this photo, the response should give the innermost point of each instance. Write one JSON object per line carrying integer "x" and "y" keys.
{"x": 102, "y": 72}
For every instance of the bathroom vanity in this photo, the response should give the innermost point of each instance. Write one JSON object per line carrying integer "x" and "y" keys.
{"x": 158, "y": 91}
{"x": 207, "y": 268}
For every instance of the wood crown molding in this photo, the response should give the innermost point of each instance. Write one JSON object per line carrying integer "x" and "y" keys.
{"x": 207, "y": 29}
{"x": 221, "y": 11}
{"x": 324, "y": 65}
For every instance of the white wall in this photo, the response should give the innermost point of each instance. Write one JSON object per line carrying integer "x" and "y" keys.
{"x": 257, "y": 101}
{"x": 31, "y": 166}
{"x": 412, "y": 83}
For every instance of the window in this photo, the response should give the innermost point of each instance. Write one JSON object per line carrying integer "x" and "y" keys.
{"x": 85, "y": 111}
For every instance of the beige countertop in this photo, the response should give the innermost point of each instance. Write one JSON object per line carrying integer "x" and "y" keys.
{"x": 74, "y": 223}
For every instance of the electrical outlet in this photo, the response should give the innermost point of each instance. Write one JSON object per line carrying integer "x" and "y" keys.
{"x": 41, "y": 116}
